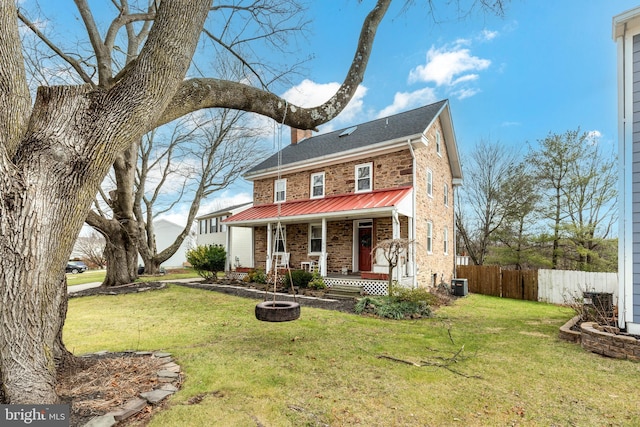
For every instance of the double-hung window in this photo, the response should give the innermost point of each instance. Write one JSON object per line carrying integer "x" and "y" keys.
{"x": 315, "y": 238}
{"x": 429, "y": 237}
{"x": 445, "y": 192}
{"x": 317, "y": 185}
{"x": 429, "y": 183}
{"x": 364, "y": 174}
{"x": 445, "y": 236}
{"x": 280, "y": 190}
{"x": 438, "y": 143}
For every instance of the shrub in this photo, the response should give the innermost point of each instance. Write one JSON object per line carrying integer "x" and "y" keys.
{"x": 300, "y": 278}
{"x": 256, "y": 276}
{"x": 404, "y": 303}
{"x": 317, "y": 282}
{"x": 207, "y": 260}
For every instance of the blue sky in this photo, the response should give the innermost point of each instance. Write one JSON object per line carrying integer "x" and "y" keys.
{"x": 546, "y": 66}
{"x": 543, "y": 67}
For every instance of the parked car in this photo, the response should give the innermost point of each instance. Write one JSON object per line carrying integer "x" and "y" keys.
{"x": 141, "y": 270}
{"x": 76, "y": 267}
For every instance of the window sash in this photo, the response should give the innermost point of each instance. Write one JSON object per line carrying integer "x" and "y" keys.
{"x": 429, "y": 183}
{"x": 280, "y": 190}
{"x": 315, "y": 239}
{"x": 429, "y": 237}
{"x": 363, "y": 178}
{"x": 317, "y": 185}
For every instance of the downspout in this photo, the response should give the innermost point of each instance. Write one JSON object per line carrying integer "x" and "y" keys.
{"x": 622, "y": 238}
{"x": 411, "y": 256}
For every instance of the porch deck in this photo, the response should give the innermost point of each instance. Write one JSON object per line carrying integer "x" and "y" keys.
{"x": 370, "y": 286}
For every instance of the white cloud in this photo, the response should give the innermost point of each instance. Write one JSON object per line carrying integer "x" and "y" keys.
{"x": 465, "y": 93}
{"x": 448, "y": 65}
{"x": 310, "y": 94}
{"x": 403, "y": 101}
{"x": 593, "y": 136}
{"x": 488, "y": 35}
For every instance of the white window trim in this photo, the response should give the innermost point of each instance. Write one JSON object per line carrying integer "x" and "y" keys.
{"x": 438, "y": 143}
{"x": 429, "y": 182}
{"x": 362, "y": 165}
{"x": 446, "y": 195}
{"x": 429, "y": 237}
{"x": 309, "y": 240}
{"x": 284, "y": 239}
{"x": 275, "y": 190}
{"x": 311, "y": 196}
{"x": 445, "y": 234}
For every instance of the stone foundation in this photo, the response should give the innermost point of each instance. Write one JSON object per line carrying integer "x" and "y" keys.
{"x": 601, "y": 340}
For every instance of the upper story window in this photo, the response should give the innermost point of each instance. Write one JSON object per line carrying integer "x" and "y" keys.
{"x": 364, "y": 174}
{"x": 280, "y": 190}
{"x": 438, "y": 143}
{"x": 445, "y": 192}
{"x": 317, "y": 185}
{"x": 429, "y": 183}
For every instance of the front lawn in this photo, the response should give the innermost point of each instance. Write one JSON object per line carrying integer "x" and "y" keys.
{"x": 326, "y": 368}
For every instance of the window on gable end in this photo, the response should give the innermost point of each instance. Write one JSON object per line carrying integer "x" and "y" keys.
{"x": 280, "y": 190}
{"x": 438, "y": 143}
{"x": 445, "y": 236}
{"x": 445, "y": 192}
{"x": 429, "y": 183}
{"x": 364, "y": 177}
{"x": 317, "y": 185}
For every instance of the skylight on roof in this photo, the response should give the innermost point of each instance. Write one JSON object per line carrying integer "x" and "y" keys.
{"x": 348, "y": 131}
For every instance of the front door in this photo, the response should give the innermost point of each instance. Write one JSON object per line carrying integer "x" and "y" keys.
{"x": 364, "y": 248}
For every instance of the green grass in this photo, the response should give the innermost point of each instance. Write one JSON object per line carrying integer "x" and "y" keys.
{"x": 325, "y": 368}
{"x": 98, "y": 276}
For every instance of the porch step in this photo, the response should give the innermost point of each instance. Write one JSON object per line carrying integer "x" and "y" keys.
{"x": 345, "y": 291}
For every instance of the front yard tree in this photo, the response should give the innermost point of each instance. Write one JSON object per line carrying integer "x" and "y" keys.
{"x": 55, "y": 153}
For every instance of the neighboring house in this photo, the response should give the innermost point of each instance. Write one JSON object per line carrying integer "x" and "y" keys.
{"x": 212, "y": 231}
{"x": 339, "y": 194}
{"x": 166, "y": 232}
{"x": 626, "y": 33}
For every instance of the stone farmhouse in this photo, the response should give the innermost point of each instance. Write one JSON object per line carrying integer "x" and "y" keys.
{"x": 325, "y": 202}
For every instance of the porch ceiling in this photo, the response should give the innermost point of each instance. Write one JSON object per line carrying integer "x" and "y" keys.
{"x": 361, "y": 205}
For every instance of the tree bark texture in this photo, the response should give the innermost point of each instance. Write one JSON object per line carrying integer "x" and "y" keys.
{"x": 54, "y": 156}
{"x": 71, "y": 140}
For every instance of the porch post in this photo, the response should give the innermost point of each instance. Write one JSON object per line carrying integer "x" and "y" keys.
{"x": 411, "y": 253}
{"x": 228, "y": 247}
{"x": 269, "y": 244}
{"x": 323, "y": 254}
{"x": 395, "y": 233}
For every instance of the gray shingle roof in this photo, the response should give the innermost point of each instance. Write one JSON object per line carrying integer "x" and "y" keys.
{"x": 385, "y": 129}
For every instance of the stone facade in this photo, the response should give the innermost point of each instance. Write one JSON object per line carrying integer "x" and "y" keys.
{"x": 390, "y": 170}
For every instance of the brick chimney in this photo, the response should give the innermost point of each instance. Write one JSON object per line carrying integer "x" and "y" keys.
{"x": 298, "y": 135}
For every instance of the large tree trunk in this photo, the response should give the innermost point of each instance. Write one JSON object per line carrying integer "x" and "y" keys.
{"x": 41, "y": 212}
{"x": 121, "y": 255}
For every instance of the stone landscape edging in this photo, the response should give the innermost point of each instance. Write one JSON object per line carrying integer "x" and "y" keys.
{"x": 169, "y": 380}
{"x": 594, "y": 338}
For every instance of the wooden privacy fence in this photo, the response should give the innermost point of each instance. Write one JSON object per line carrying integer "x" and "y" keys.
{"x": 492, "y": 280}
{"x": 552, "y": 286}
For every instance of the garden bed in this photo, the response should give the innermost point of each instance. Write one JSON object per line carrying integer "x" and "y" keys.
{"x": 605, "y": 340}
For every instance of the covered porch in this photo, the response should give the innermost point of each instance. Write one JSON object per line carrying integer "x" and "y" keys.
{"x": 334, "y": 236}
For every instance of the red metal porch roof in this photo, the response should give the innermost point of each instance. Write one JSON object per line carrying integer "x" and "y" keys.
{"x": 373, "y": 200}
